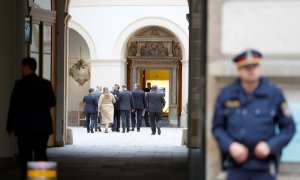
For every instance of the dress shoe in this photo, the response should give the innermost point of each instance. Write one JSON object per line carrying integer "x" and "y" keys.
{"x": 132, "y": 129}
{"x": 99, "y": 129}
{"x": 152, "y": 133}
{"x": 123, "y": 131}
{"x": 138, "y": 130}
{"x": 127, "y": 130}
{"x": 158, "y": 131}
{"x": 118, "y": 130}
{"x": 92, "y": 131}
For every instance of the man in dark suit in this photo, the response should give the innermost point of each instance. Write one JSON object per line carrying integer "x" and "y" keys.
{"x": 90, "y": 110}
{"x": 155, "y": 103}
{"x": 98, "y": 93}
{"x": 146, "y": 117}
{"x": 126, "y": 105}
{"x": 139, "y": 104}
{"x": 29, "y": 115}
{"x": 117, "y": 113}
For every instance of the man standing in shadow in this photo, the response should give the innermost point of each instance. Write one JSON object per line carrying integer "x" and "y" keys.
{"x": 29, "y": 115}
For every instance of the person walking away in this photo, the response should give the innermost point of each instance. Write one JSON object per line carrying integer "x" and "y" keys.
{"x": 117, "y": 113}
{"x": 139, "y": 104}
{"x": 145, "y": 112}
{"x": 98, "y": 93}
{"x": 90, "y": 110}
{"x": 106, "y": 107}
{"x": 126, "y": 105}
{"x": 155, "y": 102}
{"x": 247, "y": 113}
{"x": 29, "y": 114}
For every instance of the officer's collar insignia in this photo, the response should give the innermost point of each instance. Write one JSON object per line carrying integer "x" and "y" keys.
{"x": 232, "y": 103}
{"x": 286, "y": 110}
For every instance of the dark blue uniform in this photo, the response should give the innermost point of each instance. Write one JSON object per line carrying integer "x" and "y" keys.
{"x": 249, "y": 119}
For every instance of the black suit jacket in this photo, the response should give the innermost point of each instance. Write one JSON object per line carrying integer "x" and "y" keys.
{"x": 126, "y": 100}
{"x": 155, "y": 101}
{"x": 139, "y": 99}
{"x": 90, "y": 103}
{"x": 30, "y": 104}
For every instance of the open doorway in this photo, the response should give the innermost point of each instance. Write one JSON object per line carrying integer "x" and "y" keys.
{"x": 161, "y": 78}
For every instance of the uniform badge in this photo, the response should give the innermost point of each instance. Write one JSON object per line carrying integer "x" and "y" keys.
{"x": 232, "y": 103}
{"x": 285, "y": 109}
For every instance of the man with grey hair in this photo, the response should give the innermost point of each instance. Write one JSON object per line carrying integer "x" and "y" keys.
{"x": 155, "y": 104}
{"x": 139, "y": 103}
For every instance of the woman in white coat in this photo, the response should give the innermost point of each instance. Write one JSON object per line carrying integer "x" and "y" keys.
{"x": 106, "y": 107}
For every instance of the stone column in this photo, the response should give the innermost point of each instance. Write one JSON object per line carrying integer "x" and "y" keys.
{"x": 133, "y": 75}
{"x": 138, "y": 77}
{"x": 12, "y": 51}
{"x": 138, "y": 50}
{"x": 61, "y": 58}
{"x": 173, "y": 112}
{"x": 170, "y": 51}
{"x": 184, "y": 95}
{"x": 197, "y": 84}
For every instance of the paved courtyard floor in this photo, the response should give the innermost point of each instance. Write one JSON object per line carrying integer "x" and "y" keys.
{"x": 120, "y": 156}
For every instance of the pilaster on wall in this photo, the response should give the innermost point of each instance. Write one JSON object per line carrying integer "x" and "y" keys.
{"x": 184, "y": 94}
{"x": 197, "y": 83}
{"x": 62, "y": 20}
{"x": 13, "y": 49}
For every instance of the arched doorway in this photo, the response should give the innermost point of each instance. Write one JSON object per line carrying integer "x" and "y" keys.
{"x": 154, "y": 55}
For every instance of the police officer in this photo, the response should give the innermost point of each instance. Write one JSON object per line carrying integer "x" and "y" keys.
{"x": 247, "y": 113}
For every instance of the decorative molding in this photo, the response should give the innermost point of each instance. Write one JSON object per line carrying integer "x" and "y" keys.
{"x": 154, "y": 32}
{"x": 43, "y": 15}
{"x": 83, "y": 3}
{"x": 154, "y": 63}
{"x": 80, "y": 72}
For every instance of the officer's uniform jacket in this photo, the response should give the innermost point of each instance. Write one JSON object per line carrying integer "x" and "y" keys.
{"x": 251, "y": 118}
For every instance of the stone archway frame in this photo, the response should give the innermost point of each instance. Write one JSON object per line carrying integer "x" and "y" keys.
{"x": 86, "y": 36}
{"x": 119, "y": 51}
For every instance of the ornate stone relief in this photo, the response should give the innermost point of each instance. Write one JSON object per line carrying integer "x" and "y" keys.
{"x": 80, "y": 72}
{"x": 154, "y": 49}
{"x": 132, "y": 50}
{"x": 154, "y": 42}
{"x": 176, "y": 49}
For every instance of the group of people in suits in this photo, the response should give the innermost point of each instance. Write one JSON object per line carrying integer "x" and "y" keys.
{"x": 115, "y": 108}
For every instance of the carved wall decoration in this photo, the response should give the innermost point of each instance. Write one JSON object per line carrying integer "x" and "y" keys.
{"x": 154, "y": 32}
{"x": 80, "y": 72}
{"x": 176, "y": 49}
{"x": 154, "y": 49}
{"x": 132, "y": 49}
